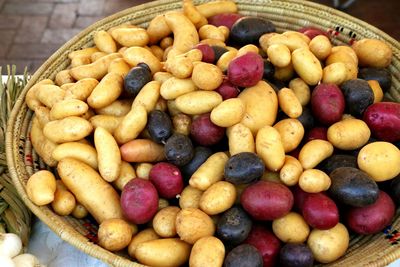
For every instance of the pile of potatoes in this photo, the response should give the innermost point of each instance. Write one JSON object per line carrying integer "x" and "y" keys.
{"x": 185, "y": 139}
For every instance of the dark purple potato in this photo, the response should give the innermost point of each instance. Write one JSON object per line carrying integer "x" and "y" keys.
{"x": 383, "y": 76}
{"x": 136, "y": 78}
{"x": 234, "y": 226}
{"x": 395, "y": 189}
{"x": 167, "y": 179}
{"x": 244, "y": 256}
{"x": 358, "y": 96}
{"x": 218, "y": 52}
{"x": 269, "y": 70}
{"x": 298, "y": 255}
{"x": 204, "y": 132}
{"x": 336, "y": 161}
{"x": 307, "y": 119}
{"x": 248, "y": 30}
{"x": 243, "y": 168}
{"x": 201, "y": 154}
{"x": 159, "y": 126}
{"x": 178, "y": 149}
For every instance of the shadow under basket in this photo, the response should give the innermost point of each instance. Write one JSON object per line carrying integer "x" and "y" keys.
{"x": 374, "y": 250}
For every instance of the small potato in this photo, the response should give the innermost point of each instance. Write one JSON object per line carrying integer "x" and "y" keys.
{"x": 117, "y": 108}
{"x": 114, "y": 234}
{"x": 68, "y": 107}
{"x": 143, "y": 236}
{"x": 79, "y": 211}
{"x": 82, "y": 89}
{"x": 270, "y": 148}
{"x": 207, "y": 251}
{"x": 307, "y": 66}
{"x": 64, "y": 77}
{"x": 96, "y": 56}
{"x": 279, "y": 55}
{"x": 108, "y": 122}
{"x": 348, "y": 50}
{"x": 293, "y": 42}
{"x": 131, "y": 36}
{"x": 68, "y": 129}
{"x": 170, "y": 252}
{"x": 335, "y": 73}
{"x": 210, "y": 172}
{"x": 158, "y": 29}
{"x": 228, "y": 113}
{"x": 181, "y": 66}
{"x": 157, "y": 51}
{"x": 49, "y": 94}
{"x": 289, "y": 103}
{"x": 41, "y": 187}
{"x": 164, "y": 221}
{"x": 376, "y": 88}
{"x": 345, "y": 57}
{"x": 329, "y": 245}
{"x": 380, "y": 160}
{"x": 161, "y": 104}
{"x": 314, "y": 181}
{"x": 291, "y": 171}
{"x": 181, "y": 123}
{"x": 42, "y": 145}
{"x": 314, "y": 152}
{"x": 104, "y": 42}
{"x": 240, "y": 139}
{"x": 64, "y": 201}
{"x": 190, "y": 197}
{"x": 96, "y": 70}
{"x": 207, "y": 76}
{"x": 43, "y": 115}
{"x": 225, "y": 59}
{"x": 373, "y": 53}
{"x": 248, "y": 48}
{"x": 126, "y": 174}
{"x": 31, "y": 98}
{"x": 143, "y": 170}
{"x": 108, "y": 154}
{"x": 106, "y": 92}
{"x": 320, "y": 46}
{"x": 142, "y": 150}
{"x": 211, "y": 32}
{"x": 349, "y": 134}
{"x": 66, "y": 86}
{"x": 131, "y": 125}
{"x": 291, "y": 228}
{"x": 148, "y": 95}
{"x": 162, "y": 76}
{"x": 284, "y": 74}
{"x": 119, "y": 66}
{"x": 193, "y": 224}
{"x": 80, "y": 60}
{"x": 166, "y": 42}
{"x": 83, "y": 152}
{"x": 175, "y": 87}
{"x": 218, "y": 198}
{"x": 291, "y": 132}
{"x": 198, "y": 102}
{"x": 135, "y": 55}
{"x": 83, "y": 52}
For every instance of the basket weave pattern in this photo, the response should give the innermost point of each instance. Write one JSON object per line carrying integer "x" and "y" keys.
{"x": 375, "y": 250}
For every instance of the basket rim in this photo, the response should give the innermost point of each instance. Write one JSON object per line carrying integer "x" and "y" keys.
{"x": 68, "y": 235}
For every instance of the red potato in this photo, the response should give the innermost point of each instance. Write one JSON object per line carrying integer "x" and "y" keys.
{"x": 312, "y": 32}
{"x": 373, "y": 218}
{"x": 224, "y": 19}
{"x": 267, "y": 201}
{"x": 139, "y": 201}
{"x": 327, "y": 103}
{"x": 299, "y": 196}
{"x": 246, "y": 70}
{"x": 204, "y": 132}
{"x": 317, "y": 133}
{"x": 266, "y": 243}
{"x": 320, "y": 212}
{"x": 207, "y": 51}
{"x": 167, "y": 179}
{"x": 383, "y": 119}
{"x": 227, "y": 90}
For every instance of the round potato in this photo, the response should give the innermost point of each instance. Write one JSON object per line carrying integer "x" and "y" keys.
{"x": 164, "y": 221}
{"x": 228, "y": 113}
{"x": 41, "y": 187}
{"x": 291, "y": 228}
{"x": 349, "y": 134}
{"x": 291, "y": 132}
{"x": 114, "y": 234}
{"x": 314, "y": 181}
{"x": 190, "y": 197}
{"x": 291, "y": 171}
{"x": 207, "y": 251}
{"x": 373, "y": 53}
{"x": 240, "y": 139}
{"x": 193, "y": 224}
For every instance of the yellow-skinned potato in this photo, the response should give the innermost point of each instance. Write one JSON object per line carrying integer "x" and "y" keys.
{"x": 143, "y": 236}
{"x": 291, "y": 228}
{"x": 108, "y": 155}
{"x": 143, "y": 170}
{"x": 84, "y": 182}
{"x": 247, "y": 48}
{"x": 43, "y": 146}
{"x": 166, "y": 42}
{"x": 131, "y": 125}
{"x": 292, "y": 42}
{"x": 193, "y": 224}
{"x": 82, "y": 89}
{"x": 185, "y": 33}
{"x": 213, "y": 42}
{"x": 348, "y": 50}
{"x": 80, "y": 60}
{"x": 216, "y": 7}
{"x": 376, "y": 88}
{"x": 43, "y": 115}
{"x": 104, "y": 42}
{"x": 304, "y": 37}
{"x": 83, "y": 152}
{"x": 314, "y": 152}
{"x": 168, "y": 252}
{"x": 320, "y": 46}
{"x": 279, "y": 55}
{"x": 108, "y": 122}
{"x": 314, "y": 181}
{"x": 49, "y": 94}
{"x": 198, "y": 102}
{"x": 373, "y": 53}
{"x": 191, "y": 12}
{"x": 79, "y": 211}
{"x": 228, "y": 113}
{"x": 64, "y": 201}
{"x": 381, "y": 160}
{"x": 142, "y": 150}
{"x": 181, "y": 66}
{"x": 291, "y": 132}
{"x": 349, "y": 134}
{"x": 157, "y": 51}
{"x": 119, "y": 66}
{"x": 335, "y": 73}
{"x": 162, "y": 76}
{"x": 285, "y": 73}
{"x": 289, "y": 103}
{"x": 158, "y": 29}
{"x": 329, "y": 245}
{"x": 270, "y": 148}
{"x": 66, "y": 86}
{"x": 118, "y": 108}
{"x": 148, "y": 96}
{"x": 164, "y": 221}
{"x": 136, "y": 54}
{"x": 162, "y": 203}
{"x": 131, "y": 36}
{"x": 68, "y": 129}
{"x": 345, "y": 57}
{"x": 68, "y": 107}
{"x": 64, "y": 77}
{"x": 225, "y": 31}
{"x": 106, "y": 92}
{"x": 83, "y": 52}
{"x": 96, "y": 70}
{"x": 41, "y": 187}
{"x": 190, "y": 197}
{"x": 207, "y": 251}
{"x": 31, "y": 100}
{"x": 307, "y": 66}
{"x": 290, "y": 171}
{"x": 210, "y": 172}
{"x": 181, "y": 123}
{"x": 126, "y": 174}
{"x": 207, "y": 76}
{"x": 96, "y": 56}
{"x": 175, "y": 87}
{"x": 114, "y": 234}
{"x": 218, "y": 198}
{"x": 225, "y": 59}
{"x": 240, "y": 139}
{"x": 211, "y": 32}
{"x": 271, "y": 176}
{"x": 172, "y": 108}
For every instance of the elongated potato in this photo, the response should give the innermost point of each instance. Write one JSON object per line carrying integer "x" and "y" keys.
{"x": 320, "y": 46}
{"x": 240, "y": 139}
{"x": 164, "y": 221}
{"x": 279, "y": 55}
{"x": 63, "y": 77}
{"x": 131, "y": 36}
{"x": 119, "y": 66}
{"x": 41, "y": 187}
{"x": 335, "y": 73}
{"x": 228, "y": 113}
{"x": 106, "y": 92}
{"x": 291, "y": 132}
{"x": 218, "y": 198}
{"x": 292, "y": 42}
{"x": 193, "y": 224}
{"x": 68, "y": 129}
{"x": 314, "y": 181}
{"x": 83, "y": 152}
{"x": 211, "y": 32}
{"x": 43, "y": 146}
{"x": 136, "y": 54}
{"x": 64, "y": 201}
{"x": 31, "y": 99}
{"x": 108, "y": 122}
{"x": 131, "y": 125}
{"x": 84, "y": 182}
{"x": 68, "y": 107}
{"x": 142, "y": 150}
{"x": 290, "y": 171}
{"x": 126, "y": 174}
{"x": 82, "y": 89}
{"x": 314, "y": 152}
{"x": 175, "y": 87}
{"x": 307, "y": 66}
{"x": 43, "y": 115}
{"x": 207, "y": 251}
{"x": 83, "y": 52}
{"x": 191, "y": 12}
{"x": 104, "y": 42}
{"x": 118, "y": 108}
{"x": 289, "y": 103}
{"x": 49, "y": 94}
{"x": 373, "y": 53}
{"x": 270, "y": 148}
{"x": 79, "y": 61}
{"x": 190, "y": 197}
{"x": 148, "y": 96}
{"x": 158, "y": 29}
{"x": 162, "y": 76}
{"x": 96, "y": 70}
{"x": 349, "y": 134}
{"x": 198, "y": 102}
{"x": 216, "y": 7}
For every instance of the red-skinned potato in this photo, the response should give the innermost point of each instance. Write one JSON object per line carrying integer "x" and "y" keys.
{"x": 224, "y": 19}
{"x": 327, "y": 103}
{"x": 167, "y": 179}
{"x": 317, "y": 133}
{"x": 299, "y": 196}
{"x": 246, "y": 70}
{"x": 312, "y": 32}
{"x": 207, "y": 51}
{"x": 227, "y": 90}
{"x": 204, "y": 132}
{"x": 320, "y": 212}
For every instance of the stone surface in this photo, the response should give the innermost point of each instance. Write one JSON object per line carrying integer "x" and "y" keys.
{"x": 31, "y": 29}
{"x": 63, "y": 15}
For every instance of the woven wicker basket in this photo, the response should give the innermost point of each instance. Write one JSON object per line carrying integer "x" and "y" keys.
{"x": 376, "y": 250}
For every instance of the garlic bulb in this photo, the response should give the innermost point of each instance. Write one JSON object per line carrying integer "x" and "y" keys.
{"x": 6, "y": 261}
{"x": 25, "y": 260}
{"x": 10, "y": 245}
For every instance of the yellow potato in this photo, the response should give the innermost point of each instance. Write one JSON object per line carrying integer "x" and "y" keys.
{"x": 284, "y": 74}
{"x": 157, "y": 51}
{"x": 181, "y": 123}
{"x": 83, "y": 52}
{"x": 172, "y": 108}
{"x": 193, "y": 224}
{"x": 108, "y": 122}
{"x": 142, "y": 150}
{"x": 291, "y": 132}
{"x": 307, "y": 66}
{"x": 207, "y": 76}
{"x": 271, "y": 177}
{"x": 349, "y": 134}
{"x": 96, "y": 70}
{"x": 225, "y": 59}
{"x": 261, "y": 104}
{"x": 279, "y": 55}
{"x": 119, "y": 66}
{"x": 126, "y": 174}
{"x": 329, "y": 245}
{"x": 104, "y": 42}
{"x": 198, "y": 102}
{"x": 164, "y": 221}
{"x": 181, "y": 66}
{"x": 210, "y": 172}
{"x": 247, "y": 48}
{"x": 292, "y": 42}
{"x": 373, "y": 53}
{"x": 114, "y": 234}
{"x": 240, "y": 139}
{"x": 289, "y": 103}
{"x": 314, "y": 181}
{"x": 211, "y": 32}
{"x": 68, "y": 107}
{"x": 225, "y": 31}
{"x": 168, "y": 252}
{"x": 106, "y": 92}
{"x": 320, "y": 46}
{"x": 314, "y": 152}
{"x": 80, "y": 60}
{"x": 117, "y": 108}
{"x": 190, "y": 197}
{"x": 79, "y": 211}
{"x": 270, "y": 148}
{"x": 43, "y": 146}
{"x": 49, "y": 94}
{"x": 166, "y": 42}
{"x": 143, "y": 236}
{"x": 31, "y": 100}
{"x": 213, "y": 42}
{"x": 381, "y": 160}
{"x": 148, "y": 96}
{"x": 82, "y": 89}
{"x": 216, "y": 7}
{"x": 64, "y": 77}
{"x": 376, "y": 88}
{"x": 291, "y": 228}
{"x": 304, "y": 37}
{"x": 348, "y": 50}
{"x": 67, "y": 130}
{"x": 143, "y": 170}
{"x": 41, "y": 187}
{"x": 43, "y": 115}
{"x": 158, "y": 29}
{"x": 218, "y": 198}
{"x": 108, "y": 155}
{"x": 83, "y": 152}
{"x": 136, "y": 54}
{"x": 64, "y": 201}
{"x": 131, "y": 125}
{"x": 347, "y": 58}
{"x": 131, "y": 36}
{"x": 96, "y": 56}
{"x": 162, "y": 76}
{"x": 175, "y": 87}
{"x": 228, "y": 113}
{"x": 335, "y": 73}
{"x": 291, "y": 171}
{"x": 207, "y": 251}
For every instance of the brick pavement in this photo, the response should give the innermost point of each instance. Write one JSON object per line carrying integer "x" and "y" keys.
{"x": 31, "y": 30}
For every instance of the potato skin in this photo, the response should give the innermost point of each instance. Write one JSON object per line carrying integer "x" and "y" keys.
{"x": 320, "y": 211}
{"x": 291, "y": 228}
{"x": 349, "y": 134}
{"x": 114, "y": 234}
{"x": 373, "y": 53}
{"x": 193, "y": 224}
{"x": 207, "y": 251}
{"x": 164, "y": 221}
{"x": 41, "y": 187}
{"x": 218, "y": 198}
{"x": 327, "y": 103}
{"x": 241, "y": 255}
